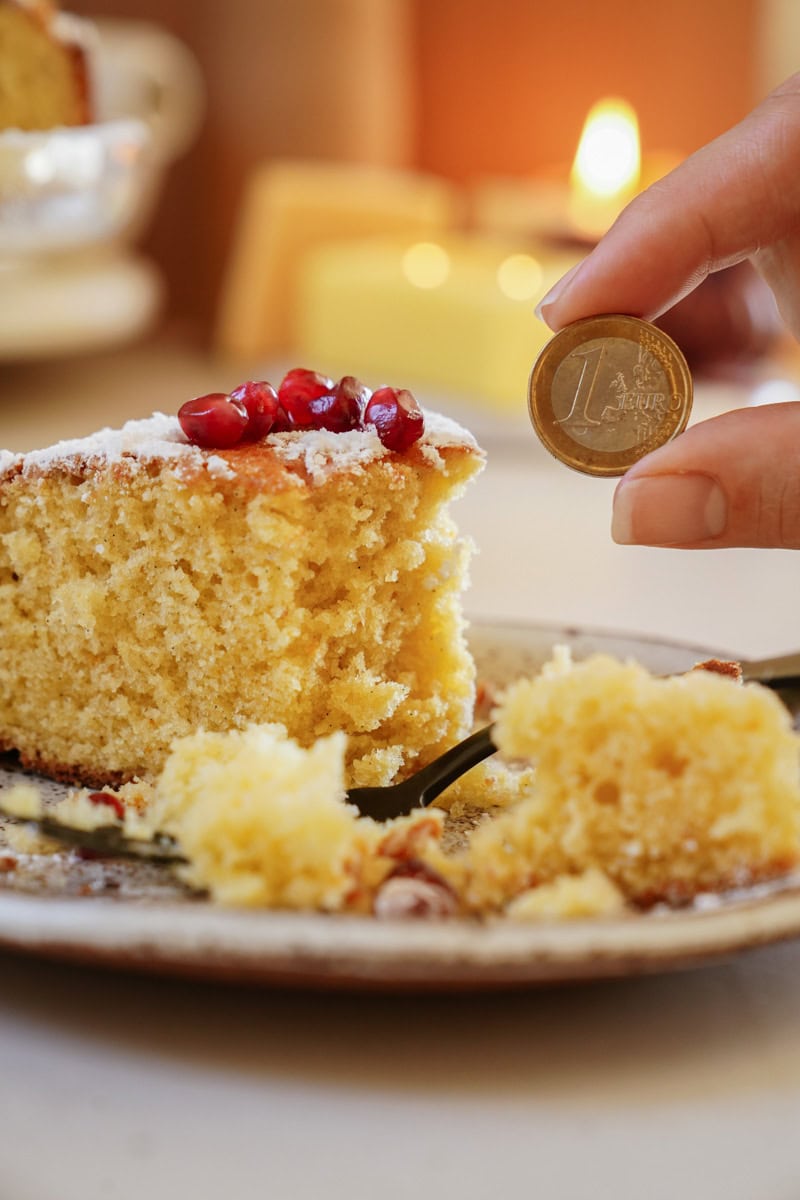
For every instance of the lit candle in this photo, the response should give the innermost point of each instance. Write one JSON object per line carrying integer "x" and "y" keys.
{"x": 607, "y": 172}
{"x": 607, "y": 168}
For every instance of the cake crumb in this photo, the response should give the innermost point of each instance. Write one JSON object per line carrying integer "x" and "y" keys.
{"x": 591, "y": 894}
{"x": 23, "y": 801}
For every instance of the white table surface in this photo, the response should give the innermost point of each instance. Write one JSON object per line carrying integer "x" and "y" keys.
{"x": 679, "y": 1086}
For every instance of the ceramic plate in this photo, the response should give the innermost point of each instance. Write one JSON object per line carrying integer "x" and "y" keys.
{"x": 135, "y": 916}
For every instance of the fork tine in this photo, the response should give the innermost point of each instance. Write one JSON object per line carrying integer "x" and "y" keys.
{"x": 106, "y": 840}
{"x": 380, "y": 803}
{"x": 422, "y": 788}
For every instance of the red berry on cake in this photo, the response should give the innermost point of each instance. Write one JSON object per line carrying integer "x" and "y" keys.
{"x": 306, "y": 400}
{"x": 353, "y": 390}
{"x": 282, "y": 423}
{"x": 108, "y": 801}
{"x": 215, "y": 421}
{"x": 297, "y": 389}
{"x": 329, "y": 412}
{"x": 261, "y": 404}
{"x": 343, "y": 410}
{"x": 397, "y": 418}
{"x": 414, "y": 889}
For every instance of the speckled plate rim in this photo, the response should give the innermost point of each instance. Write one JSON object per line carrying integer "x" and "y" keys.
{"x": 312, "y": 950}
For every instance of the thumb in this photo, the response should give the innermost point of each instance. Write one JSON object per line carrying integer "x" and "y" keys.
{"x": 731, "y": 481}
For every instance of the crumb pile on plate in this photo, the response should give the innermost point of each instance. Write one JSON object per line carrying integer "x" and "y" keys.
{"x": 638, "y": 789}
{"x": 643, "y": 789}
{"x": 44, "y": 69}
{"x": 262, "y": 820}
{"x": 669, "y": 786}
{"x": 150, "y": 588}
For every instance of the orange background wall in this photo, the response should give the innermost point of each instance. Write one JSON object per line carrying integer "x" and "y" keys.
{"x": 496, "y": 85}
{"x": 504, "y": 86}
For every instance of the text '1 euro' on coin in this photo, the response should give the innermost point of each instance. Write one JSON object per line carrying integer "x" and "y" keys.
{"x": 607, "y": 390}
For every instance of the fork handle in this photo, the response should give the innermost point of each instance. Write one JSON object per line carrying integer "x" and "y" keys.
{"x": 773, "y": 671}
{"x": 432, "y": 780}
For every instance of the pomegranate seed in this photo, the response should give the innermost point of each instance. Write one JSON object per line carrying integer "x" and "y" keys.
{"x": 721, "y": 666}
{"x": 415, "y": 890}
{"x": 343, "y": 409}
{"x": 305, "y": 400}
{"x": 353, "y": 390}
{"x": 416, "y": 868}
{"x": 396, "y": 416}
{"x": 108, "y": 800}
{"x": 260, "y": 402}
{"x": 297, "y": 389}
{"x": 215, "y": 422}
{"x": 282, "y": 422}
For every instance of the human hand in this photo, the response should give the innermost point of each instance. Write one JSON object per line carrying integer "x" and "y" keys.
{"x": 727, "y": 323}
{"x": 733, "y": 480}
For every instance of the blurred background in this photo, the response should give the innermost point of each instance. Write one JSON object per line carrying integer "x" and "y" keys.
{"x": 349, "y": 179}
{"x": 387, "y": 188}
{"x": 465, "y": 89}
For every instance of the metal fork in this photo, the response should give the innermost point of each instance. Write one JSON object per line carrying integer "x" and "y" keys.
{"x": 782, "y": 674}
{"x": 106, "y": 841}
{"x": 381, "y": 803}
{"x": 422, "y": 788}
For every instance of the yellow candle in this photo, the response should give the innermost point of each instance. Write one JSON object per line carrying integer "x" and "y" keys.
{"x": 521, "y": 209}
{"x": 292, "y": 207}
{"x": 455, "y": 314}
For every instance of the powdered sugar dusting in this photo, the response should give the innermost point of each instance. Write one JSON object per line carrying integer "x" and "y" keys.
{"x": 431, "y": 453}
{"x": 218, "y": 468}
{"x": 443, "y": 431}
{"x": 157, "y": 437}
{"x": 322, "y": 452}
{"x": 160, "y": 437}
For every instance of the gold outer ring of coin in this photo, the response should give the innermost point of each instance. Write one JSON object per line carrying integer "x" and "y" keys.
{"x": 605, "y": 409}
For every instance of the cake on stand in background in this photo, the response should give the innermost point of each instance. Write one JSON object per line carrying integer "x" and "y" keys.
{"x": 44, "y": 67}
{"x": 91, "y": 116}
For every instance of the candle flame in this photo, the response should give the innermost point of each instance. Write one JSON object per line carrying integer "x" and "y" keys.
{"x": 607, "y": 166}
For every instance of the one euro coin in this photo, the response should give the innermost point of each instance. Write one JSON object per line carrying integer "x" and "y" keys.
{"x": 607, "y": 390}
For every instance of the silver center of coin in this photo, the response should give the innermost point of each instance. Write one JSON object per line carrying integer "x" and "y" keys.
{"x": 611, "y": 394}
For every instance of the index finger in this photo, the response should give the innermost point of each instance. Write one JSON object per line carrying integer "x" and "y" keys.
{"x": 730, "y": 199}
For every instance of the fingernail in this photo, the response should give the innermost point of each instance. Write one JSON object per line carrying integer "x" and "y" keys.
{"x": 556, "y": 291}
{"x": 668, "y": 510}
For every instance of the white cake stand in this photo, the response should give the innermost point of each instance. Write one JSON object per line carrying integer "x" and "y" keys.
{"x": 76, "y": 303}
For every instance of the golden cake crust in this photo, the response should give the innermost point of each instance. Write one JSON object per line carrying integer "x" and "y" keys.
{"x": 279, "y": 462}
{"x": 256, "y": 468}
{"x": 71, "y": 773}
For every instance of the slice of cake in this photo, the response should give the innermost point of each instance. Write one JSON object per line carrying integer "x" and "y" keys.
{"x": 150, "y": 588}
{"x": 44, "y": 72}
